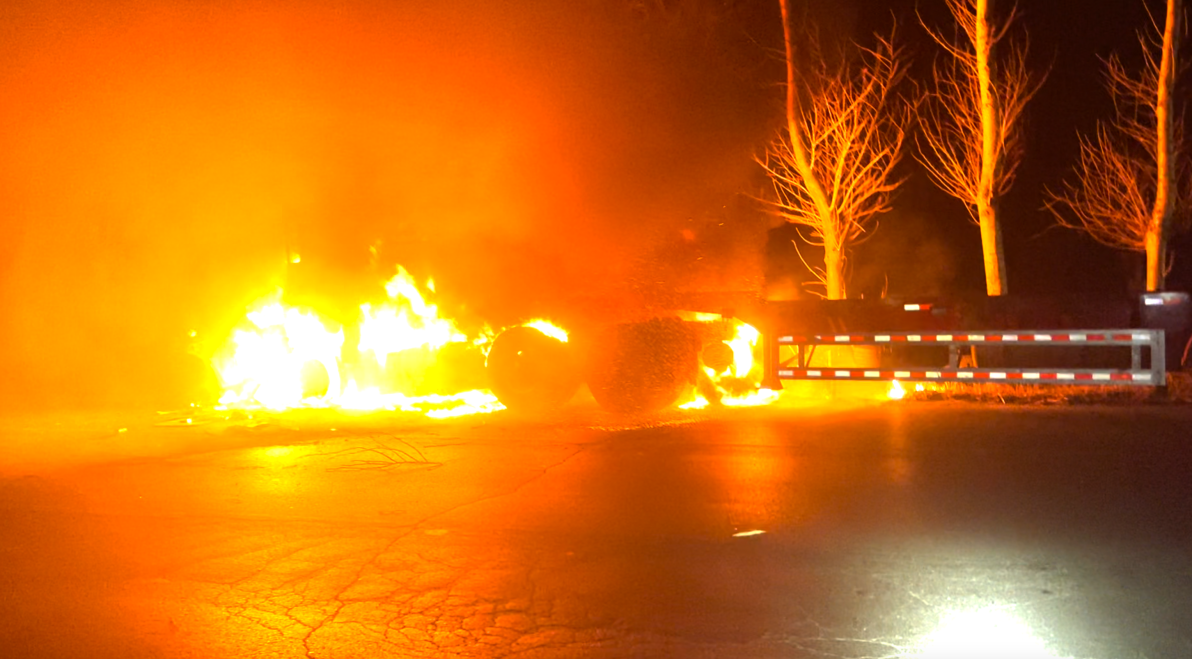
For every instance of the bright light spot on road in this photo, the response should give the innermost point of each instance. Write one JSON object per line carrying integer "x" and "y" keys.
{"x": 990, "y": 633}
{"x": 747, "y": 534}
{"x": 278, "y": 451}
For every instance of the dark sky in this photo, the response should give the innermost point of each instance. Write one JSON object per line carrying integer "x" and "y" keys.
{"x": 160, "y": 159}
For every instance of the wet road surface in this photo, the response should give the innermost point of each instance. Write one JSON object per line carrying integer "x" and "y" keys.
{"x": 869, "y": 531}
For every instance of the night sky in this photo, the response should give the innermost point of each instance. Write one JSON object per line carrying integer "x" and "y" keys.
{"x": 161, "y": 161}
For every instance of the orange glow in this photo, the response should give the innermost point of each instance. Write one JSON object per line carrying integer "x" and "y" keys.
{"x": 548, "y": 328}
{"x": 744, "y": 341}
{"x": 406, "y": 322}
{"x": 738, "y": 384}
{"x": 286, "y": 357}
{"x": 265, "y": 361}
{"x": 751, "y": 399}
{"x": 896, "y": 392}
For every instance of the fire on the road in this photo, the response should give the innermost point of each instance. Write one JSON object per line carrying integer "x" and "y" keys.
{"x": 285, "y": 357}
{"x": 396, "y": 354}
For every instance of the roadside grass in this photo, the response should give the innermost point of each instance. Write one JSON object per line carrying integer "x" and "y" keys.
{"x": 1177, "y": 391}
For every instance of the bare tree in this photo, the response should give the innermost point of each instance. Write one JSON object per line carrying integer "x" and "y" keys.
{"x": 1126, "y": 195}
{"x": 832, "y": 166}
{"x": 971, "y": 140}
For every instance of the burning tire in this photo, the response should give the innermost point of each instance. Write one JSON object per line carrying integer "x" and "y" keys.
{"x": 643, "y": 367}
{"x": 530, "y": 371}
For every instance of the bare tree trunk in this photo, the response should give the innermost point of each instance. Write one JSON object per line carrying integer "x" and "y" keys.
{"x": 971, "y": 139}
{"x": 832, "y": 166}
{"x": 1160, "y": 226}
{"x": 833, "y": 263}
{"x": 834, "y": 272}
{"x": 991, "y": 233}
{"x": 1129, "y": 195}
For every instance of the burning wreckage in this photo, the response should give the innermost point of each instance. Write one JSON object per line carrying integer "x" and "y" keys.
{"x": 402, "y": 355}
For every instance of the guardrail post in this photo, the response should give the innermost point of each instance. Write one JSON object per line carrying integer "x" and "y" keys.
{"x": 770, "y": 379}
{"x": 1159, "y": 357}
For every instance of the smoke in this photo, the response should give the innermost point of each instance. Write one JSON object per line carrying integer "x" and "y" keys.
{"x": 163, "y": 162}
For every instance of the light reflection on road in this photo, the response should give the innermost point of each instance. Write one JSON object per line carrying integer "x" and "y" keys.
{"x": 870, "y": 534}
{"x": 986, "y": 633}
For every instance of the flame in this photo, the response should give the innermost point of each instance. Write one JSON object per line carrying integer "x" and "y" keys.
{"x": 744, "y": 340}
{"x": 737, "y": 384}
{"x": 407, "y": 321}
{"x": 271, "y": 361}
{"x": 548, "y": 328}
{"x": 438, "y": 406}
{"x": 286, "y": 357}
{"x": 267, "y": 359}
{"x": 751, "y": 399}
{"x": 896, "y": 392}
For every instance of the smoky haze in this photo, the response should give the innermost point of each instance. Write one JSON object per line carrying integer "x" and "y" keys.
{"x": 161, "y": 162}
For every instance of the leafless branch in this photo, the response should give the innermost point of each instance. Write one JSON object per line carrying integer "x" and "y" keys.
{"x": 832, "y": 168}
{"x": 1133, "y": 182}
{"x": 950, "y": 139}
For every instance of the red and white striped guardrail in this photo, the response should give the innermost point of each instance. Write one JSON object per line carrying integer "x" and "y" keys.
{"x": 1090, "y": 337}
{"x": 1135, "y": 339}
{"x": 1070, "y": 376}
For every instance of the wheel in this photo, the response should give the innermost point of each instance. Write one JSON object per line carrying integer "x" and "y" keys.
{"x": 643, "y": 367}
{"x": 532, "y": 372}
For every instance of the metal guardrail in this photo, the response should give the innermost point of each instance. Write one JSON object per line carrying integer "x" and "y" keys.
{"x": 796, "y": 366}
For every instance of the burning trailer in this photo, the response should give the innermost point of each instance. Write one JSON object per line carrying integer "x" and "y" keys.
{"x": 401, "y": 354}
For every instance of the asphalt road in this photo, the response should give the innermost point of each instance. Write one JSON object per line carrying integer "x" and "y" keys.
{"x": 921, "y": 529}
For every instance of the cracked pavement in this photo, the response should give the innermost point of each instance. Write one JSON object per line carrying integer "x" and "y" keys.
{"x": 834, "y": 532}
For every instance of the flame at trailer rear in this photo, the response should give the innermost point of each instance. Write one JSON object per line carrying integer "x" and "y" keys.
{"x": 737, "y": 384}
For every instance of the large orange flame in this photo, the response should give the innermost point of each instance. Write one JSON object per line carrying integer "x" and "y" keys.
{"x": 285, "y": 357}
